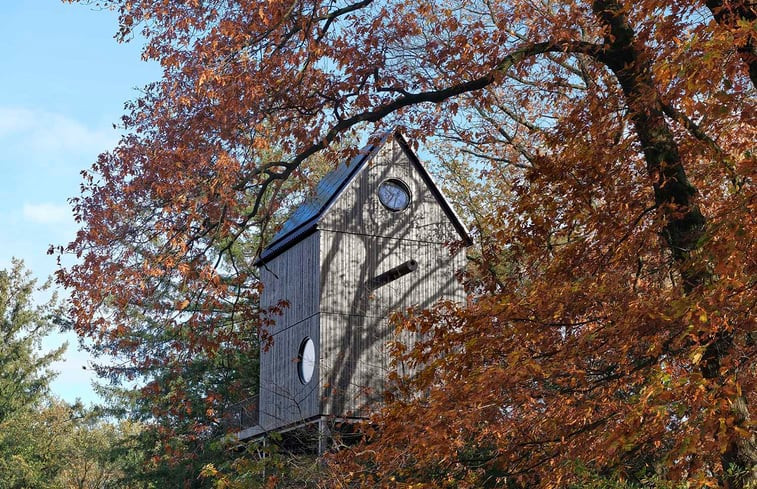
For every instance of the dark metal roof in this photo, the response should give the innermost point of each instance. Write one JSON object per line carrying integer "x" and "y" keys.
{"x": 305, "y": 218}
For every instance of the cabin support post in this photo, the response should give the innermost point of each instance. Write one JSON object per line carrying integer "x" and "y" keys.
{"x": 324, "y": 434}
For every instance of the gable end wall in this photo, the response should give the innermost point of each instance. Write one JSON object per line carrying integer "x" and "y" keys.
{"x": 361, "y": 239}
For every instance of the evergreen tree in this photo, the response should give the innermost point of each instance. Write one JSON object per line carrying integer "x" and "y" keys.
{"x": 24, "y": 370}
{"x": 25, "y": 377}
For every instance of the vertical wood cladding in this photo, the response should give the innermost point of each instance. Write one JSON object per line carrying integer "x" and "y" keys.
{"x": 359, "y": 211}
{"x": 360, "y": 239}
{"x": 291, "y": 277}
{"x": 325, "y": 279}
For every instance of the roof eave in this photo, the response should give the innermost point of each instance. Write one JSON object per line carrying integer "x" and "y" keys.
{"x": 451, "y": 214}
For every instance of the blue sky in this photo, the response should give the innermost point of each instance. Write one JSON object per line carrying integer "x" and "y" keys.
{"x": 63, "y": 83}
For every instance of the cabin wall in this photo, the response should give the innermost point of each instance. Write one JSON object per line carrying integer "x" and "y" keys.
{"x": 355, "y": 329}
{"x": 361, "y": 239}
{"x": 324, "y": 278}
{"x": 293, "y": 277}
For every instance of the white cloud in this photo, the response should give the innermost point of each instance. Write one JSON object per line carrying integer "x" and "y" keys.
{"x": 44, "y": 134}
{"x": 14, "y": 120}
{"x": 47, "y": 213}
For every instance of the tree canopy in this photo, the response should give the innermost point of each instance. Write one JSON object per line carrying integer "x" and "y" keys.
{"x": 46, "y": 443}
{"x": 608, "y": 147}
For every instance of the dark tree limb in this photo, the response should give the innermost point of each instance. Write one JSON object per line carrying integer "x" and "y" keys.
{"x": 674, "y": 194}
{"x": 672, "y": 191}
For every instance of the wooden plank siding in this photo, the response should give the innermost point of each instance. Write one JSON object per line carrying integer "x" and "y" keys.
{"x": 361, "y": 239}
{"x": 294, "y": 277}
{"x": 359, "y": 211}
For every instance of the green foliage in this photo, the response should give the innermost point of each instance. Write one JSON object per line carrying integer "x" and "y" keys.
{"x": 24, "y": 371}
{"x": 27, "y": 437}
{"x": 100, "y": 454}
{"x": 263, "y": 464}
{"x": 46, "y": 443}
{"x": 588, "y": 479}
{"x": 58, "y": 446}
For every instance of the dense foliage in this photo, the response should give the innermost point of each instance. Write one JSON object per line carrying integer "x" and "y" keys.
{"x": 608, "y": 149}
{"x": 56, "y": 445}
{"x": 46, "y": 443}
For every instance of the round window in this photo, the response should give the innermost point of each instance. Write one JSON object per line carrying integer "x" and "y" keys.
{"x": 306, "y": 360}
{"x": 394, "y": 194}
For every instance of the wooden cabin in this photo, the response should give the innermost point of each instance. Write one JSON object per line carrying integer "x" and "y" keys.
{"x": 373, "y": 239}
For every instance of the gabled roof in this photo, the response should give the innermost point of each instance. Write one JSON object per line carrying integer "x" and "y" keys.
{"x": 305, "y": 218}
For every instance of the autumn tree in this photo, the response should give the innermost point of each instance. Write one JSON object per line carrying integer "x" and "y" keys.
{"x": 610, "y": 325}
{"x": 191, "y": 352}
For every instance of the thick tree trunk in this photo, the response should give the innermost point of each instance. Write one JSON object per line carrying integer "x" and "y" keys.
{"x": 674, "y": 195}
{"x": 728, "y": 13}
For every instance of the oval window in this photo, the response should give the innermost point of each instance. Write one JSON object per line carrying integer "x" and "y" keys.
{"x": 306, "y": 360}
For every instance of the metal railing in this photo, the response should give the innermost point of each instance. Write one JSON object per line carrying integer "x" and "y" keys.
{"x": 243, "y": 414}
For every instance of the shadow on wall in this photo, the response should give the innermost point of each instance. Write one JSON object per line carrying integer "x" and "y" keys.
{"x": 361, "y": 243}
